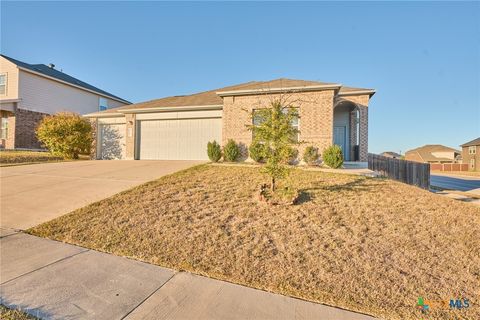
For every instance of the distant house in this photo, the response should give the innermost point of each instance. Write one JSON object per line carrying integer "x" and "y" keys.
{"x": 28, "y": 92}
{"x": 433, "y": 153}
{"x": 391, "y": 154}
{"x": 471, "y": 154}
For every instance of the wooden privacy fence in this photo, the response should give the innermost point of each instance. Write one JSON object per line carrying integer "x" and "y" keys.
{"x": 414, "y": 173}
{"x": 449, "y": 166}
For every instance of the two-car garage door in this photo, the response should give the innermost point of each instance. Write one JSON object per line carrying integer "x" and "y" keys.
{"x": 177, "y": 139}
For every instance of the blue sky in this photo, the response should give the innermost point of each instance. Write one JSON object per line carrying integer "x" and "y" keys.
{"x": 422, "y": 58}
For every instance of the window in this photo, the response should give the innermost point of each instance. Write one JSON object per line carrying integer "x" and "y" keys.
{"x": 257, "y": 120}
{"x": 4, "y": 128}
{"x": 102, "y": 104}
{"x": 472, "y": 150}
{"x": 3, "y": 84}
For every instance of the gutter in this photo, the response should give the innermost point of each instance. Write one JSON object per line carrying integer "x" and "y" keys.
{"x": 9, "y": 100}
{"x": 122, "y": 112}
{"x": 279, "y": 90}
{"x": 73, "y": 85}
{"x": 167, "y": 109}
{"x": 103, "y": 115}
{"x": 356, "y": 93}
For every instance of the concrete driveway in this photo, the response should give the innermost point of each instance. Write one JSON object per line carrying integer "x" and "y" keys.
{"x": 33, "y": 194}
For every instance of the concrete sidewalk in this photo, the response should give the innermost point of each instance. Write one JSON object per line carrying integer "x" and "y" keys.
{"x": 53, "y": 280}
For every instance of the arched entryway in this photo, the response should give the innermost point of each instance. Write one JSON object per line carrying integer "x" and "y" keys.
{"x": 346, "y": 129}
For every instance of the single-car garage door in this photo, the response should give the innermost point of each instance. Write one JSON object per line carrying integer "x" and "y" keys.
{"x": 112, "y": 141}
{"x": 177, "y": 139}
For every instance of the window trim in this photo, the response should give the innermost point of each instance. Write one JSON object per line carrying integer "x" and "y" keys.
{"x": 6, "y": 83}
{"x": 472, "y": 150}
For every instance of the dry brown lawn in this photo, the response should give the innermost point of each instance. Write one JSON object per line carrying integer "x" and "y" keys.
{"x": 13, "y": 314}
{"x": 24, "y": 157}
{"x": 365, "y": 244}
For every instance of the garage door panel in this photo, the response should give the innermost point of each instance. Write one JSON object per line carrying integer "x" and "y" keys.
{"x": 179, "y": 139}
{"x": 112, "y": 141}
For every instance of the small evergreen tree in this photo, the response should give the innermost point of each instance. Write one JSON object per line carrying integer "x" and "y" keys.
{"x": 310, "y": 155}
{"x": 257, "y": 151}
{"x": 214, "y": 151}
{"x": 276, "y": 133}
{"x": 333, "y": 156}
{"x": 231, "y": 151}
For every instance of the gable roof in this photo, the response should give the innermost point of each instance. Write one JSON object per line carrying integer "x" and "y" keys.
{"x": 426, "y": 152}
{"x": 44, "y": 70}
{"x": 474, "y": 142}
{"x": 212, "y": 97}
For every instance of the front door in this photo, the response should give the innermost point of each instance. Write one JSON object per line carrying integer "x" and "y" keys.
{"x": 339, "y": 138}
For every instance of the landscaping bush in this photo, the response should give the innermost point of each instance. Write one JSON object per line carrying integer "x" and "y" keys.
{"x": 65, "y": 134}
{"x": 333, "y": 156}
{"x": 292, "y": 155}
{"x": 310, "y": 155}
{"x": 257, "y": 152}
{"x": 231, "y": 151}
{"x": 214, "y": 151}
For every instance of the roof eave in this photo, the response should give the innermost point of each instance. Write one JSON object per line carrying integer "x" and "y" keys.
{"x": 103, "y": 115}
{"x": 278, "y": 90}
{"x": 357, "y": 93}
{"x": 168, "y": 109}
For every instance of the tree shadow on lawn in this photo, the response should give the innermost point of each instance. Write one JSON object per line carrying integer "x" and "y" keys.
{"x": 359, "y": 184}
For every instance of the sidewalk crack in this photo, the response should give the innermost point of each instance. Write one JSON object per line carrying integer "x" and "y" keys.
{"x": 42, "y": 267}
{"x": 151, "y": 294}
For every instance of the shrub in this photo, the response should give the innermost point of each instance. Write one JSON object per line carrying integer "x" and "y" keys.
{"x": 214, "y": 151}
{"x": 65, "y": 134}
{"x": 257, "y": 151}
{"x": 310, "y": 155}
{"x": 333, "y": 156}
{"x": 291, "y": 157}
{"x": 231, "y": 151}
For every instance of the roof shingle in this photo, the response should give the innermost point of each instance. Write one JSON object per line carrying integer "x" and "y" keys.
{"x": 474, "y": 142}
{"x": 211, "y": 97}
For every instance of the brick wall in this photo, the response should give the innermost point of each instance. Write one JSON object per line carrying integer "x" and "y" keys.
{"x": 353, "y": 133}
{"x": 466, "y": 158}
{"x": 93, "y": 150}
{"x": 448, "y": 167}
{"x": 362, "y": 103}
{"x": 315, "y": 111}
{"x": 26, "y": 122}
{"x": 130, "y": 136}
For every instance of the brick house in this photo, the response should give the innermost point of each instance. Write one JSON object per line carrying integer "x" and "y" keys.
{"x": 471, "y": 154}
{"x": 179, "y": 127}
{"x": 433, "y": 153}
{"x": 28, "y": 92}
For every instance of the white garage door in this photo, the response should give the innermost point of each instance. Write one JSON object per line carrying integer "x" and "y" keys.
{"x": 177, "y": 139}
{"x": 112, "y": 141}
